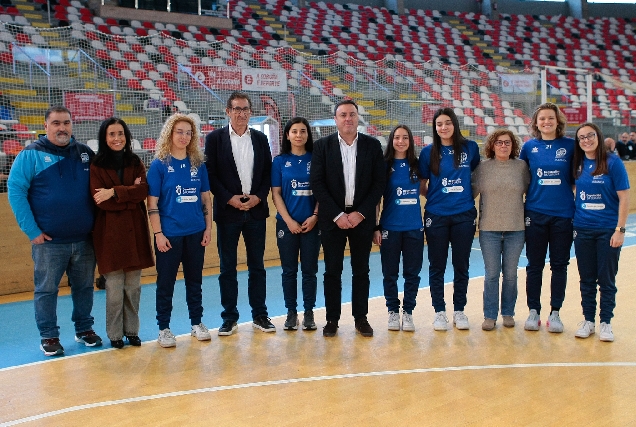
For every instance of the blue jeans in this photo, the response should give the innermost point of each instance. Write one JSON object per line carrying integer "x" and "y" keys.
{"x": 227, "y": 238}
{"x": 289, "y": 246}
{"x": 458, "y": 231}
{"x": 51, "y": 261}
{"x": 411, "y": 245}
{"x": 186, "y": 250}
{"x": 501, "y": 251}
{"x": 598, "y": 265}
{"x": 543, "y": 231}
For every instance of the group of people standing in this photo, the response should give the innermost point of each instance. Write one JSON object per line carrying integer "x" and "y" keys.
{"x": 340, "y": 189}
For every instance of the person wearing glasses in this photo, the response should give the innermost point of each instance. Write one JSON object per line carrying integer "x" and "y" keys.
{"x": 180, "y": 209}
{"x": 239, "y": 165}
{"x": 120, "y": 236}
{"x": 296, "y": 231}
{"x": 548, "y": 212}
{"x": 501, "y": 181}
{"x": 602, "y": 206}
{"x": 401, "y": 231}
{"x": 449, "y": 214}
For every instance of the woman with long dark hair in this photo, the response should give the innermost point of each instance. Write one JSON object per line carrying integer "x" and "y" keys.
{"x": 548, "y": 212}
{"x": 501, "y": 180}
{"x": 449, "y": 218}
{"x": 400, "y": 231}
{"x": 121, "y": 236}
{"x": 296, "y": 231}
{"x": 602, "y": 206}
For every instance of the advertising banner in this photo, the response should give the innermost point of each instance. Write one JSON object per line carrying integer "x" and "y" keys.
{"x": 89, "y": 106}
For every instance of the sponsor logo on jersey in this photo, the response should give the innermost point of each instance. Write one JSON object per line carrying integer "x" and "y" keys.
{"x": 84, "y": 157}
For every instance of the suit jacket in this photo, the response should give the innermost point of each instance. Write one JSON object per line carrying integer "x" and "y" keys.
{"x": 224, "y": 178}
{"x": 121, "y": 236}
{"x": 327, "y": 178}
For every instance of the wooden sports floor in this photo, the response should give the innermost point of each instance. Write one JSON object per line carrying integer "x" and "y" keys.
{"x": 506, "y": 377}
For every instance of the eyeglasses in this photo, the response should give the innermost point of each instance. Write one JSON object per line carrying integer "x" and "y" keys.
{"x": 238, "y": 110}
{"x": 182, "y": 133}
{"x": 588, "y": 137}
{"x": 501, "y": 142}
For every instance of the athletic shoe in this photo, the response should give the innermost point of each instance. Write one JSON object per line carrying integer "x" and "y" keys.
{"x": 460, "y": 320}
{"x": 166, "y": 338}
{"x": 488, "y": 324}
{"x": 200, "y": 332}
{"x": 89, "y": 338}
{"x": 533, "y": 322}
{"x": 394, "y": 321}
{"x": 133, "y": 340}
{"x": 263, "y": 323}
{"x": 554, "y": 323}
{"x": 330, "y": 329}
{"x": 291, "y": 323}
{"x": 117, "y": 343}
{"x": 407, "y": 322}
{"x": 508, "y": 321}
{"x": 586, "y": 328}
{"x": 228, "y": 328}
{"x": 441, "y": 321}
{"x": 363, "y": 327}
{"x": 606, "y": 332}
{"x": 308, "y": 321}
{"x": 51, "y": 347}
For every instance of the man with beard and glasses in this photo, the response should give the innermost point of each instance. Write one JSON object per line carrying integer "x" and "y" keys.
{"x": 50, "y": 198}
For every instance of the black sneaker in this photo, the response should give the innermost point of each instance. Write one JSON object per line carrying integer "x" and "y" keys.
{"x": 117, "y": 343}
{"x": 363, "y": 327}
{"x": 89, "y": 338}
{"x": 308, "y": 321}
{"x": 291, "y": 324}
{"x": 228, "y": 328}
{"x": 264, "y": 324}
{"x": 51, "y": 347}
{"x": 133, "y": 340}
{"x": 330, "y": 329}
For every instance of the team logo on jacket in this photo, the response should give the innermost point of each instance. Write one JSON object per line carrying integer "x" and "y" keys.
{"x": 193, "y": 172}
{"x": 561, "y": 152}
{"x": 84, "y": 157}
{"x": 464, "y": 158}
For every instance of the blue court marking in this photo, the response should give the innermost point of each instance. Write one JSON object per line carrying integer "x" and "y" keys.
{"x": 19, "y": 339}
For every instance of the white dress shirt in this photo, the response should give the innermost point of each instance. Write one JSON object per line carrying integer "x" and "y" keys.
{"x": 243, "y": 153}
{"x": 349, "y": 154}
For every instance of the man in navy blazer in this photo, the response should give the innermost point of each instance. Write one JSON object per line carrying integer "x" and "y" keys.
{"x": 239, "y": 164}
{"x": 347, "y": 178}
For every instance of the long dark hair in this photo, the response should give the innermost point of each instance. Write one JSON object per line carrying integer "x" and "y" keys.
{"x": 579, "y": 154}
{"x": 285, "y": 146}
{"x": 105, "y": 157}
{"x": 411, "y": 158}
{"x": 458, "y": 141}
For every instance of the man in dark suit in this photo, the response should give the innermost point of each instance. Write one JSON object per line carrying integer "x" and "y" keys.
{"x": 347, "y": 178}
{"x": 239, "y": 164}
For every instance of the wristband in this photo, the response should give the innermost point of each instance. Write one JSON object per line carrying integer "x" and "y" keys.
{"x": 377, "y": 228}
{"x": 158, "y": 232}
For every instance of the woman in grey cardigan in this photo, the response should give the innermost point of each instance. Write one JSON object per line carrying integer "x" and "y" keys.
{"x": 501, "y": 180}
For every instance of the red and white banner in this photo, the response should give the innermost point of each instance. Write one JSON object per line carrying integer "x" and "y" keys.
{"x": 575, "y": 115}
{"x": 225, "y": 78}
{"x": 524, "y": 83}
{"x": 89, "y": 106}
{"x": 247, "y": 79}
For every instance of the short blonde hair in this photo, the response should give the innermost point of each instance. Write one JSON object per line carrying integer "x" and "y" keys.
{"x": 164, "y": 143}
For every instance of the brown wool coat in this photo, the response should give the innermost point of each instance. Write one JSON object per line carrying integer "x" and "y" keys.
{"x": 121, "y": 236}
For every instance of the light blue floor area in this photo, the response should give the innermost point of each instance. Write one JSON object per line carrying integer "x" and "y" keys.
{"x": 19, "y": 339}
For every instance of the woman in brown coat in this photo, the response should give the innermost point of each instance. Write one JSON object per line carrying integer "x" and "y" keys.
{"x": 121, "y": 236}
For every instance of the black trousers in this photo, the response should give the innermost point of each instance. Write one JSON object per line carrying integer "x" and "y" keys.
{"x": 333, "y": 243}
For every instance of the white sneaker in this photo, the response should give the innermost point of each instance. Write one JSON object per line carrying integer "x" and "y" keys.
{"x": 394, "y": 321}
{"x": 533, "y": 322}
{"x": 460, "y": 320}
{"x": 586, "y": 329}
{"x": 606, "y": 332}
{"x": 166, "y": 338}
{"x": 554, "y": 323}
{"x": 200, "y": 332}
{"x": 441, "y": 321}
{"x": 407, "y": 322}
